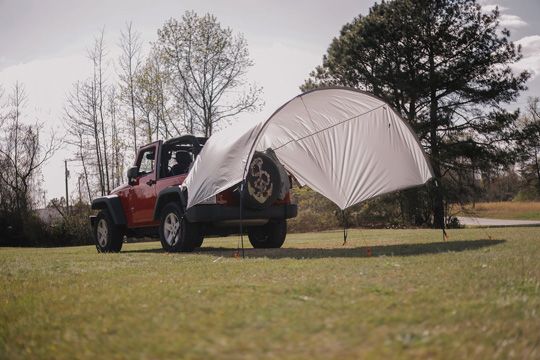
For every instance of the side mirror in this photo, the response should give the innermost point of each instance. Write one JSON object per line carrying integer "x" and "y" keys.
{"x": 132, "y": 174}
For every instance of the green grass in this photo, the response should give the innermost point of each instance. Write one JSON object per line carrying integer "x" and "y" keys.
{"x": 512, "y": 210}
{"x": 474, "y": 296}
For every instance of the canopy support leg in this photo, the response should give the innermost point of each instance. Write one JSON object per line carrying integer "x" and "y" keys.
{"x": 241, "y": 220}
{"x": 444, "y": 234}
{"x": 345, "y": 229}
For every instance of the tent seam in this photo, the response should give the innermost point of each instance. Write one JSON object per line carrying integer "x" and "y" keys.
{"x": 329, "y": 127}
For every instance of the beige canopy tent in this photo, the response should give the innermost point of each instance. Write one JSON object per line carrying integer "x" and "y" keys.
{"x": 345, "y": 144}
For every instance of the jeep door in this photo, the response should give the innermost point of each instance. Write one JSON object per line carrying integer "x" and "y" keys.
{"x": 142, "y": 192}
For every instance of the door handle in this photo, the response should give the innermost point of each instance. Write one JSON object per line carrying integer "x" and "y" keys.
{"x": 150, "y": 182}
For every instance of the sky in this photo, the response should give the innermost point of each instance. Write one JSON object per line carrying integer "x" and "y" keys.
{"x": 44, "y": 46}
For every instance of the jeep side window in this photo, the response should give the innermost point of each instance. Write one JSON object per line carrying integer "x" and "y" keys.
{"x": 147, "y": 162}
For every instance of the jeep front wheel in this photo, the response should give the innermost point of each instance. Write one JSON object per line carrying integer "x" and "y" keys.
{"x": 175, "y": 232}
{"x": 107, "y": 235}
{"x": 269, "y": 236}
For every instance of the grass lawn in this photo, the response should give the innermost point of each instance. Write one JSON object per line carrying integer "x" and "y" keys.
{"x": 474, "y": 296}
{"x": 513, "y": 210}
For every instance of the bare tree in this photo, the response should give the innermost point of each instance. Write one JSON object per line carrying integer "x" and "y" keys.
{"x": 3, "y": 114}
{"x": 83, "y": 130}
{"x": 117, "y": 143}
{"x": 207, "y": 64}
{"x": 97, "y": 55}
{"x": 90, "y": 121}
{"x": 130, "y": 61}
{"x": 153, "y": 100}
{"x": 22, "y": 153}
{"x": 529, "y": 143}
{"x": 145, "y": 97}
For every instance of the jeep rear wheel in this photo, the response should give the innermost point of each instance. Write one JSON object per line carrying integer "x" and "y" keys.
{"x": 269, "y": 236}
{"x": 107, "y": 235}
{"x": 175, "y": 232}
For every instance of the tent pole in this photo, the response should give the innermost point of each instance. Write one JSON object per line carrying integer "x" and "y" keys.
{"x": 241, "y": 219}
{"x": 444, "y": 234}
{"x": 345, "y": 230}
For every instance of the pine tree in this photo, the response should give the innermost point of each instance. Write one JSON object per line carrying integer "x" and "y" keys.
{"x": 445, "y": 66}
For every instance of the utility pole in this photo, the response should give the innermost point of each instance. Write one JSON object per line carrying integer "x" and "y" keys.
{"x": 67, "y": 193}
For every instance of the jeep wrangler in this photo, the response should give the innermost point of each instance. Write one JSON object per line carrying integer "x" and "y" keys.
{"x": 153, "y": 202}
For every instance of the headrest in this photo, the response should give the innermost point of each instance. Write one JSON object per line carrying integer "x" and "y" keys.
{"x": 183, "y": 156}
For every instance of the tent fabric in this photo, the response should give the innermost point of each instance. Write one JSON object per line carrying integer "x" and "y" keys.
{"x": 345, "y": 144}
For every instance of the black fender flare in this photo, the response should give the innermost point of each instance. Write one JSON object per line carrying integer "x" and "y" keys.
{"x": 173, "y": 193}
{"x": 113, "y": 205}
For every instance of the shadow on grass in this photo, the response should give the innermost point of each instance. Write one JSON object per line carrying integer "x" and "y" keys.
{"x": 346, "y": 252}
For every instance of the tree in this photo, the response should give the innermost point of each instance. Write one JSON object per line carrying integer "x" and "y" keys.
{"x": 117, "y": 143}
{"x": 529, "y": 144}
{"x": 207, "y": 65}
{"x": 82, "y": 127}
{"x": 130, "y": 61}
{"x": 22, "y": 153}
{"x": 97, "y": 56}
{"x": 152, "y": 100}
{"x": 92, "y": 125}
{"x": 445, "y": 66}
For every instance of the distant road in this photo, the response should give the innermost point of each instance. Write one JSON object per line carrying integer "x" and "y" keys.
{"x": 473, "y": 221}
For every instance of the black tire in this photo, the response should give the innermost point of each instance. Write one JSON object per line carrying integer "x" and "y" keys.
{"x": 269, "y": 236}
{"x": 199, "y": 238}
{"x": 263, "y": 182}
{"x": 108, "y": 237}
{"x": 187, "y": 235}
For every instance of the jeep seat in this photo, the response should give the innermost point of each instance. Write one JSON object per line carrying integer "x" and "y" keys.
{"x": 183, "y": 162}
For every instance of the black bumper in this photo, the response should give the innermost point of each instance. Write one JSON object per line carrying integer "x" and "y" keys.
{"x": 214, "y": 213}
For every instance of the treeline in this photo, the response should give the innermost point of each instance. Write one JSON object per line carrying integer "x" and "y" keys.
{"x": 445, "y": 66}
{"x": 23, "y": 151}
{"x": 515, "y": 183}
{"x": 190, "y": 80}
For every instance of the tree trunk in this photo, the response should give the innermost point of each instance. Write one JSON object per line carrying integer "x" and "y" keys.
{"x": 104, "y": 134}
{"x": 98, "y": 147}
{"x": 438, "y": 202}
{"x": 133, "y": 118}
{"x": 537, "y": 165}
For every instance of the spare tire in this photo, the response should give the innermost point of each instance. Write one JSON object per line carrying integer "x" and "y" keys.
{"x": 263, "y": 182}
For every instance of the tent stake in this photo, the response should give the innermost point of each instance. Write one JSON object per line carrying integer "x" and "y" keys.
{"x": 345, "y": 232}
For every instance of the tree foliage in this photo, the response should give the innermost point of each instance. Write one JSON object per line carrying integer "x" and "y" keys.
{"x": 207, "y": 64}
{"x": 188, "y": 81}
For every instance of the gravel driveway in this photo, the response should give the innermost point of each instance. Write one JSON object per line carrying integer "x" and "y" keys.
{"x": 473, "y": 221}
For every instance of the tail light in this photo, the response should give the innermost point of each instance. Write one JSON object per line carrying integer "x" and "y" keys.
{"x": 210, "y": 201}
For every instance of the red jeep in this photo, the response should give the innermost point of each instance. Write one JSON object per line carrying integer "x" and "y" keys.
{"x": 154, "y": 204}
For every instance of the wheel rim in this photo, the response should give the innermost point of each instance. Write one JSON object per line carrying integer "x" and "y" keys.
{"x": 171, "y": 229}
{"x": 102, "y": 232}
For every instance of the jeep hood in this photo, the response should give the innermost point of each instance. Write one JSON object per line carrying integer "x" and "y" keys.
{"x": 345, "y": 144}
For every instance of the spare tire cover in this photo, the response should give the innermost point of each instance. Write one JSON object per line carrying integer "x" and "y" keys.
{"x": 263, "y": 182}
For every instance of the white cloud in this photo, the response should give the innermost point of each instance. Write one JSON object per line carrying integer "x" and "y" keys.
{"x": 530, "y": 48}
{"x": 47, "y": 80}
{"x": 506, "y": 20}
{"x": 512, "y": 21}
{"x": 490, "y": 7}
